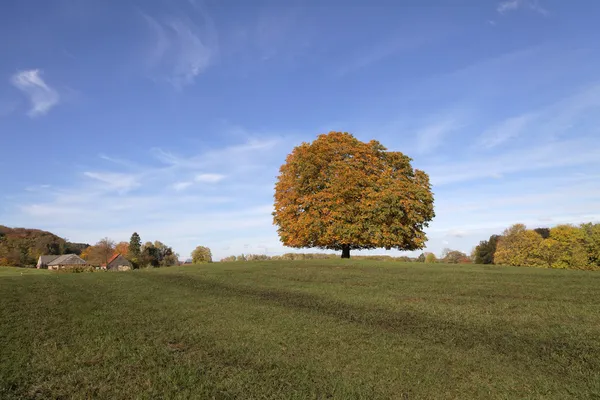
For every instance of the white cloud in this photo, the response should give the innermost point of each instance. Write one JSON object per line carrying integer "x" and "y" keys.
{"x": 209, "y": 178}
{"x": 245, "y": 154}
{"x": 182, "y": 49}
{"x": 176, "y": 198}
{"x": 41, "y": 96}
{"x": 549, "y": 142}
{"x": 564, "y": 153}
{"x": 115, "y": 181}
{"x": 507, "y": 6}
{"x": 179, "y": 186}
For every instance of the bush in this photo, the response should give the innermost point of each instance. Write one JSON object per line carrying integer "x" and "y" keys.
{"x": 77, "y": 269}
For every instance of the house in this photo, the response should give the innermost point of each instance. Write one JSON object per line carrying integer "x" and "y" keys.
{"x": 60, "y": 262}
{"x": 44, "y": 260}
{"x": 118, "y": 263}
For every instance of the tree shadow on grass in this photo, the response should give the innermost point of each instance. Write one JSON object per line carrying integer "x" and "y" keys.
{"x": 553, "y": 353}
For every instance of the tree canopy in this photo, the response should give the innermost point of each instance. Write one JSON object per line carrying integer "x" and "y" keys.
{"x": 201, "y": 254}
{"x": 100, "y": 253}
{"x": 485, "y": 250}
{"x": 340, "y": 193}
{"x": 563, "y": 246}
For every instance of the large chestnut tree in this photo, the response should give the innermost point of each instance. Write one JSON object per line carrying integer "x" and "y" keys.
{"x": 340, "y": 193}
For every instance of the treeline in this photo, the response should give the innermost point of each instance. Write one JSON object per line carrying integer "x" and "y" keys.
{"x": 147, "y": 255}
{"x": 310, "y": 256}
{"x": 21, "y": 247}
{"x": 448, "y": 256}
{"x": 564, "y": 246}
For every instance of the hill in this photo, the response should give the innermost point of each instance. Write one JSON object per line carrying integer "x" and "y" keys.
{"x": 22, "y": 246}
{"x": 301, "y": 329}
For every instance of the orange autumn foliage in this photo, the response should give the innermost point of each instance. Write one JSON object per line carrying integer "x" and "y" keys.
{"x": 122, "y": 248}
{"x": 340, "y": 193}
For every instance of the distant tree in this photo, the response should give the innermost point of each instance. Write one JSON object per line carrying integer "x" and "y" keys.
{"x": 150, "y": 255}
{"x": 421, "y": 258}
{"x": 99, "y": 253}
{"x": 170, "y": 259}
{"x": 135, "y": 248}
{"x": 549, "y": 252}
{"x": 518, "y": 246}
{"x": 166, "y": 255}
{"x": 543, "y": 232}
{"x": 572, "y": 243}
{"x": 75, "y": 248}
{"x": 22, "y": 246}
{"x": 122, "y": 248}
{"x": 455, "y": 257}
{"x": 591, "y": 233}
{"x": 201, "y": 254}
{"x": 485, "y": 251}
{"x": 107, "y": 249}
{"x": 340, "y": 193}
{"x": 229, "y": 259}
{"x": 430, "y": 258}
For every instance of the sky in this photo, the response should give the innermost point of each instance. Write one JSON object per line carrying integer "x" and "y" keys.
{"x": 171, "y": 117}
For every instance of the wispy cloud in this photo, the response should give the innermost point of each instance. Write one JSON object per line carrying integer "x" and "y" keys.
{"x": 209, "y": 178}
{"x": 182, "y": 49}
{"x": 179, "y": 186}
{"x": 554, "y": 154}
{"x": 378, "y": 52}
{"x": 505, "y": 131}
{"x": 181, "y": 200}
{"x": 507, "y": 6}
{"x": 41, "y": 96}
{"x": 547, "y": 123}
{"x": 121, "y": 182}
{"x": 432, "y": 136}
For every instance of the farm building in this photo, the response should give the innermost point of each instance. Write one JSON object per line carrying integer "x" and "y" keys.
{"x": 118, "y": 263}
{"x": 59, "y": 262}
{"x": 44, "y": 260}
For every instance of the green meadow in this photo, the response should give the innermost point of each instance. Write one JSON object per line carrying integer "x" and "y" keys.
{"x": 342, "y": 329}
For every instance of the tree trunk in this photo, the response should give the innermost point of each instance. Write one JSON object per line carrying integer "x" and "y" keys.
{"x": 345, "y": 251}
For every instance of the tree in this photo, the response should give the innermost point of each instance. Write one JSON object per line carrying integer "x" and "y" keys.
{"x": 455, "y": 257}
{"x": 549, "y": 251}
{"x": 201, "y": 254}
{"x": 571, "y": 240}
{"x": 75, "y": 248}
{"x": 591, "y": 234}
{"x": 135, "y": 247}
{"x": 518, "y": 246}
{"x": 421, "y": 258}
{"x": 99, "y": 253}
{"x": 430, "y": 258}
{"x": 22, "y": 246}
{"x": 485, "y": 250}
{"x": 166, "y": 256}
{"x": 340, "y": 193}
{"x": 158, "y": 254}
{"x": 122, "y": 248}
{"x": 149, "y": 255}
{"x": 543, "y": 232}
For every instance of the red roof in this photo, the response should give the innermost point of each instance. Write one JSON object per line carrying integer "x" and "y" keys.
{"x": 113, "y": 258}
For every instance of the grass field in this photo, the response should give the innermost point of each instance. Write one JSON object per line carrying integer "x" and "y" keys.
{"x": 306, "y": 329}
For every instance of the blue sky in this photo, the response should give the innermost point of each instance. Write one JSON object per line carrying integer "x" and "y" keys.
{"x": 171, "y": 118}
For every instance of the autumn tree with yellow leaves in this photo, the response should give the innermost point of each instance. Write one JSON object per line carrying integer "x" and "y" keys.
{"x": 340, "y": 193}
